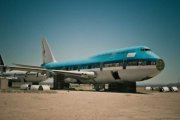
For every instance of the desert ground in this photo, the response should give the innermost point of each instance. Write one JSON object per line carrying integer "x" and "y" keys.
{"x": 89, "y": 105}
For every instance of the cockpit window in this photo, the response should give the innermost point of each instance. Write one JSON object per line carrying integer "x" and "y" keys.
{"x": 145, "y": 49}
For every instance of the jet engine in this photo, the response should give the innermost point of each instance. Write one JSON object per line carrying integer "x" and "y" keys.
{"x": 174, "y": 89}
{"x": 164, "y": 89}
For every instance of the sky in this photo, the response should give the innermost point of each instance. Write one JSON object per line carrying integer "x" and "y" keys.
{"x": 78, "y": 29}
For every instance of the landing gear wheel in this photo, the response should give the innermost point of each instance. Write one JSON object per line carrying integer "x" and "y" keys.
{"x": 59, "y": 83}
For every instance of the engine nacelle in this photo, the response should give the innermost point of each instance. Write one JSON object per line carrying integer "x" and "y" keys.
{"x": 174, "y": 89}
{"x": 164, "y": 89}
{"x": 34, "y": 87}
{"x": 40, "y": 87}
{"x": 25, "y": 86}
{"x": 44, "y": 87}
{"x": 148, "y": 88}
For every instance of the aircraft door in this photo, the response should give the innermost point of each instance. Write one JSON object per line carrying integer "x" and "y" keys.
{"x": 115, "y": 75}
{"x": 101, "y": 66}
{"x": 124, "y": 64}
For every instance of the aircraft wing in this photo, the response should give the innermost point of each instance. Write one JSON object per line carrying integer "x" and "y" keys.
{"x": 76, "y": 74}
{"x": 22, "y": 65}
{"x": 70, "y": 74}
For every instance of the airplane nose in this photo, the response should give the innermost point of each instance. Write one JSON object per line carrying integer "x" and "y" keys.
{"x": 160, "y": 64}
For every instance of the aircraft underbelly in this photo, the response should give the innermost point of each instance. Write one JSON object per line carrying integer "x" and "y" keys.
{"x": 131, "y": 73}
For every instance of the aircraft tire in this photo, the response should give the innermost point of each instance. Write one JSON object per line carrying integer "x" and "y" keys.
{"x": 59, "y": 83}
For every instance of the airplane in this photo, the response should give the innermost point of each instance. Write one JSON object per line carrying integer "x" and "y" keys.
{"x": 120, "y": 68}
{"x": 19, "y": 76}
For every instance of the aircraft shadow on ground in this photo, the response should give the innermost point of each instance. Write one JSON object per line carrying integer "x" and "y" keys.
{"x": 144, "y": 93}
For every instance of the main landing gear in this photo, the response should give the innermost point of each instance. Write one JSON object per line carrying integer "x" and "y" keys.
{"x": 126, "y": 87}
{"x": 59, "y": 83}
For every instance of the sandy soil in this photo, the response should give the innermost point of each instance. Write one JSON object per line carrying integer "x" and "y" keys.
{"x": 85, "y": 105}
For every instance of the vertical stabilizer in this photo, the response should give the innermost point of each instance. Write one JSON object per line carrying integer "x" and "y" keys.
{"x": 2, "y": 69}
{"x": 1, "y": 60}
{"x": 47, "y": 55}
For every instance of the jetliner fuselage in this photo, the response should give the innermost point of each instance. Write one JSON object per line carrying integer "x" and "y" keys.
{"x": 129, "y": 64}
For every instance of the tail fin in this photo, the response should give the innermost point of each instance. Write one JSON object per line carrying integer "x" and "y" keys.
{"x": 47, "y": 55}
{"x": 1, "y": 60}
{"x": 2, "y": 69}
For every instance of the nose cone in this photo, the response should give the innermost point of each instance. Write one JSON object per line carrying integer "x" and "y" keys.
{"x": 160, "y": 64}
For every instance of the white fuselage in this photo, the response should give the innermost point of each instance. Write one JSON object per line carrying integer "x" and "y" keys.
{"x": 131, "y": 74}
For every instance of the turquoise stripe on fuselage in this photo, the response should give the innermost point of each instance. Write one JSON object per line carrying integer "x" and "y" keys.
{"x": 109, "y": 57}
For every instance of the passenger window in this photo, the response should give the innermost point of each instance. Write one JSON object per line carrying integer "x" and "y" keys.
{"x": 141, "y": 63}
{"x": 86, "y": 67}
{"x": 70, "y": 68}
{"x": 117, "y": 65}
{"x": 75, "y": 68}
{"x": 133, "y": 63}
{"x": 95, "y": 66}
{"x": 67, "y": 68}
{"x": 89, "y": 66}
{"x": 148, "y": 62}
{"x": 153, "y": 63}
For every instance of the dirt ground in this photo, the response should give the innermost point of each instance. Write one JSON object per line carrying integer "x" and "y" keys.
{"x": 89, "y": 105}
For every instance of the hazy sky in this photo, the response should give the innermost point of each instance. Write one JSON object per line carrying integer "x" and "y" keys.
{"x": 77, "y": 29}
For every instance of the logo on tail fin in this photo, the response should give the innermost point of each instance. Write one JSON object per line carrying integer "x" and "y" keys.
{"x": 47, "y": 55}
